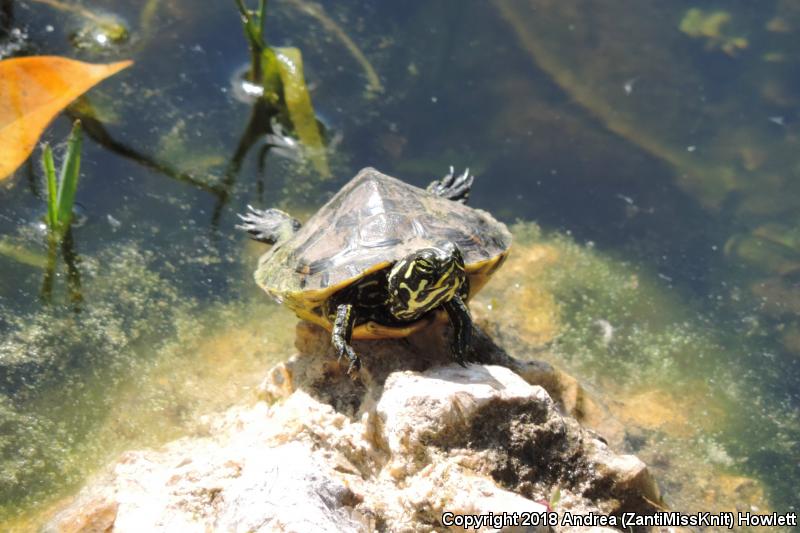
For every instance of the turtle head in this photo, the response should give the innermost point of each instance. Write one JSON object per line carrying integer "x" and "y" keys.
{"x": 424, "y": 280}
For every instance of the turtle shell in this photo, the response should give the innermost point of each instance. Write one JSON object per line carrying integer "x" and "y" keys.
{"x": 373, "y": 221}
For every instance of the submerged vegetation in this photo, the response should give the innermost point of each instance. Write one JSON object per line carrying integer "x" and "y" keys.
{"x": 281, "y": 88}
{"x": 137, "y": 366}
{"x": 60, "y": 372}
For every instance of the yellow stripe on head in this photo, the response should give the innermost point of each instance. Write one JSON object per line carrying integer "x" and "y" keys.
{"x": 424, "y": 280}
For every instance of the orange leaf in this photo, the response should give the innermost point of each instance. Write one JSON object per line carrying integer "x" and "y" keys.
{"x": 33, "y": 90}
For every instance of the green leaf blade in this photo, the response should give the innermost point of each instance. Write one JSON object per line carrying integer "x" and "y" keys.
{"x": 68, "y": 180}
{"x": 52, "y": 186}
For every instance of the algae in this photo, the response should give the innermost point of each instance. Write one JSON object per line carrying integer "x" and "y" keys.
{"x": 137, "y": 367}
{"x": 712, "y": 27}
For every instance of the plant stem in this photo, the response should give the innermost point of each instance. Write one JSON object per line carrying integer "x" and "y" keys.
{"x": 72, "y": 261}
{"x": 260, "y": 14}
{"x": 254, "y": 32}
{"x": 50, "y": 270}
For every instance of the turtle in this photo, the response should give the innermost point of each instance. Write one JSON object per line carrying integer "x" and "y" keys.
{"x": 382, "y": 259}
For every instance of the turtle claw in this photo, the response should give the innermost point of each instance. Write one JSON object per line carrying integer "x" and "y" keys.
{"x": 250, "y": 218}
{"x": 353, "y": 367}
{"x": 459, "y": 349}
{"x": 355, "y": 362}
{"x": 447, "y": 181}
{"x": 251, "y": 225}
{"x": 267, "y": 225}
{"x": 452, "y": 187}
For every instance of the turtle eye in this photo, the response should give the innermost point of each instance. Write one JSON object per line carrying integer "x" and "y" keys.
{"x": 424, "y": 265}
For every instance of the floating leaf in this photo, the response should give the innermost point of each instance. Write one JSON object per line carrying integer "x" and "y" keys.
{"x": 33, "y": 90}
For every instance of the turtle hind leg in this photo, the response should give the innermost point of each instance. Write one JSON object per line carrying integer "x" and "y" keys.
{"x": 452, "y": 187}
{"x": 268, "y": 225}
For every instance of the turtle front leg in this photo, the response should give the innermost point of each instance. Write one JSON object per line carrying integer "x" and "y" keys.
{"x": 268, "y": 226}
{"x": 342, "y": 334}
{"x": 462, "y": 328}
{"x": 452, "y": 187}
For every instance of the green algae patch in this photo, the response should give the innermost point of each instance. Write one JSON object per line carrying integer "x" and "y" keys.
{"x": 195, "y": 375}
{"x": 711, "y": 26}
{"x": 59, "y": 370}
{"x": 602, "y": 315}
{"x": 137, "y": 367}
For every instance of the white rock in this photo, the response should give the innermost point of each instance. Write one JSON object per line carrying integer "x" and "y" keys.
{"x": 416, "y": 406}
{"x": 415, "y": 446}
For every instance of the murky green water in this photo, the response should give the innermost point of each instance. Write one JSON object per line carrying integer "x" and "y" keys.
{"x": 662, "y": 140}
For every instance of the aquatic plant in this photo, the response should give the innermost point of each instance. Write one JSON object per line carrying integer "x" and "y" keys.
{"x": 555, "y": 497}
{"x": 61, "y": 191}
{"x": 278, "y": 75}
{"x": 60, "y": 205}
{"x": 129, "y": 371}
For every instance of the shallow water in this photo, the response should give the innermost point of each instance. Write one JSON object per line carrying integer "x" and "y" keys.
{"x": 663, "y": 158}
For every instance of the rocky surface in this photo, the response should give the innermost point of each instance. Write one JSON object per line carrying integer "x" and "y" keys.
{"x": 416, "y": 436}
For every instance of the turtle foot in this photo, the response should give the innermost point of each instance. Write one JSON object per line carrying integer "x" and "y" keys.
{"x": 355, "y": 363}
{"x": 268, "y": 225}
{"x": 452, "y": 187}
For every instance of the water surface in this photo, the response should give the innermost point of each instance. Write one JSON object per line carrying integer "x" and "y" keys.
{"x": 643, "y": 136}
